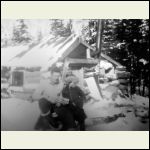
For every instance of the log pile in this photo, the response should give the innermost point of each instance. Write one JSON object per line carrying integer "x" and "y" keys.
{"x": 122, "y": 79}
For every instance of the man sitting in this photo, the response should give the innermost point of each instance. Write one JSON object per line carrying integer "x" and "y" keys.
{"x": 76, "y": 99}
{"x": 51, "y": 102}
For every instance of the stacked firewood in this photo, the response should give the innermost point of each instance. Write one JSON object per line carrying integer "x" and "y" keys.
{"x": 123, "y": 79}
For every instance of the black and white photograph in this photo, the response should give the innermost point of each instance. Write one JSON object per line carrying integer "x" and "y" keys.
{"x": 75, "y": 74}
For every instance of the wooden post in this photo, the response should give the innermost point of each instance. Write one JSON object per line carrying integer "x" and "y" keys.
{"x": 65, "y": 68}
{"x": 99, "y": 39}
{"x": 99, "y": 43}
{"x": 99, "y": 36}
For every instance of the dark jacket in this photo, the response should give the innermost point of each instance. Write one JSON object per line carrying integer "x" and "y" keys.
{"x": 75, "y": 95}
{"x": 76, "y": 99}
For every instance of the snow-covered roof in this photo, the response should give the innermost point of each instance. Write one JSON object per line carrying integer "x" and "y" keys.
{"x": 9, "y": 52}
{"x": 45, "y": 53}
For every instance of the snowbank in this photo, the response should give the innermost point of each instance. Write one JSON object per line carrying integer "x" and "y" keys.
{"x": 141, "y": 101}
{"x": 18, "y": 115}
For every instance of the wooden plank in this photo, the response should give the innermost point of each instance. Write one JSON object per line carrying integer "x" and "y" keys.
{"x": 82, "y": 61}
{"x": 80, "y": 75}
{"x": 110, "y": 60}
{"x": 92, "y": 86}
{"x": 65, "y": 68}
{"x": 123, "y": 75}
{"x": 97, "y": 83}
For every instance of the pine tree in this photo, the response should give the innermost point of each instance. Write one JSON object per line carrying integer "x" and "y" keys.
{"x": 39, "y": 36}
{"x": 90, "y": 35}
{"x": 20, "y": 33}
{"x": 126, "y": 41}
{"x": 135, "y": 36}
{"x": 59, "y": 29}
{"x": 5, "y": 37}
{"x": 109, "y": 42}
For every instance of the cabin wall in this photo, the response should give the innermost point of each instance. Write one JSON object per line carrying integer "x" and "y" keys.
{"x": 32, "y": 77}
{"x": 79, "y": 52}
{"x": 22, "y": 78}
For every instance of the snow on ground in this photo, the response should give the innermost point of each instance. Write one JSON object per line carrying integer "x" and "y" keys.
{"x": 118, "y": 114}
{"x": 126, "y": 122}
{"x": 121, "y": 124}
{"x": 18, "y": 115}
{"x": 115, "y": 113}
{"x": 141, "y": 101}
{"x": 107, "y": 119}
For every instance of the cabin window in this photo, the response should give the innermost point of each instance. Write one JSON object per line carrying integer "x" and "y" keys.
{"x": 17, "y": 78}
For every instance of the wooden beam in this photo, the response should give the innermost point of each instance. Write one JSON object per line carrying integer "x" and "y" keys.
{"x": 82, "y": 61}
{"x": 110, "y": 59}
{"x": 87, "y": 45}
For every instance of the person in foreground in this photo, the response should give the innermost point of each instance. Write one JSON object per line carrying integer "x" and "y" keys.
{"x": 54, "y": 115}
{"x": 76, "y": 99}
